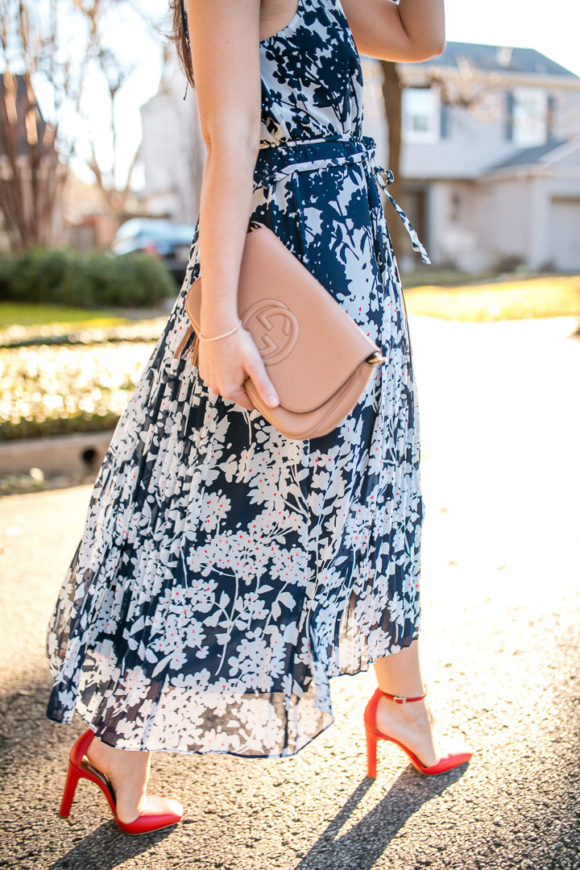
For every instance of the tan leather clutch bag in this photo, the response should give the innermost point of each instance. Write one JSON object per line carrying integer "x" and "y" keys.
{"x": 317, "y": 357}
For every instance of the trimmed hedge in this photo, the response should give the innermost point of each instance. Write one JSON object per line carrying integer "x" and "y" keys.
{"x": 57, "y": 426}
{"x": 95, "y": 280}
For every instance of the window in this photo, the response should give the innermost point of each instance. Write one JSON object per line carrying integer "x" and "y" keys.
{"x": 421, "y": 115}
{"x": 530, "y": 115}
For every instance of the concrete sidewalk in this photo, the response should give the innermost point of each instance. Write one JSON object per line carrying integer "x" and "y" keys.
{"x": 501, "y": 427}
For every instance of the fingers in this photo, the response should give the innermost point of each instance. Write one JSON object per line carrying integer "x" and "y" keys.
{"x": 240, "y": 397}
{"x": 237, "y": 395}
{"x": 224, "y": 373}
{"x": 257, "y": 372}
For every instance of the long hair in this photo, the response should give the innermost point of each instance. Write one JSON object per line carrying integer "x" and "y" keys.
{"x": 180, "y": 37}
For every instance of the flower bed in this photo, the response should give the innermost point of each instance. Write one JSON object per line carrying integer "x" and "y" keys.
{"x": 53, "y": 390}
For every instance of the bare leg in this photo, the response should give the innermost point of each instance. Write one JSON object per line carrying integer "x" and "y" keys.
{"x": 412, "y": 724}
{"x": 128, "y": 772}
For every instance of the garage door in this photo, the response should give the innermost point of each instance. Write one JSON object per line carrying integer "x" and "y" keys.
{"x": 565, "y": 233}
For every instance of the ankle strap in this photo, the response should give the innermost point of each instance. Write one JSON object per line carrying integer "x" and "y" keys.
{"x": 399, "y": 699}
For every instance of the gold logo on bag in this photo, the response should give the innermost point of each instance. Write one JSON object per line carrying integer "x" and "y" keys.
{"x": 273, "y": 327}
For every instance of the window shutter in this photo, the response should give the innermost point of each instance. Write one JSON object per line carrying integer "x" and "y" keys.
{"x": 551, "y": 118}
{"x": 444, "y": 120}
{"x": 509, "y": 116}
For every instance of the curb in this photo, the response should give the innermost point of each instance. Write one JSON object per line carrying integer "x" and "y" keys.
{"x": 62, "y": 454}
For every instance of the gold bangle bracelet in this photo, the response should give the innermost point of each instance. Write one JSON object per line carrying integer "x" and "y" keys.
{"x": 217, "y": 337}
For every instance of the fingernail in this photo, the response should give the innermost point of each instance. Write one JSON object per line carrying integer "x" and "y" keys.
{"x": 273, "y": 399}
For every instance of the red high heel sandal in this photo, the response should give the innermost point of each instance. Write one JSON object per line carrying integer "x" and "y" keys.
{"x": 79, "y": 767}
{"x": 447, "y": 762}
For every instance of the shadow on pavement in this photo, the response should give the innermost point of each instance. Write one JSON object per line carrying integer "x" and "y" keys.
{"x": 107, "y": 847}
{"x": 365, "y": 842}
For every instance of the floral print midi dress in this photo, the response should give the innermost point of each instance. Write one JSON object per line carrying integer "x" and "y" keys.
{"x": 226, "y": 572}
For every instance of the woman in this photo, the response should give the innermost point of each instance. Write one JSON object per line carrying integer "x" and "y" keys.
{"x": 225, "y": 572}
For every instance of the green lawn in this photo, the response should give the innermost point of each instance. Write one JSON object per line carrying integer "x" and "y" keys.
{"x": 506, "y": 300}
{"x": 18, "y": 314}
{"x": 52, "y": 324}
{"x": 557, "y": 296}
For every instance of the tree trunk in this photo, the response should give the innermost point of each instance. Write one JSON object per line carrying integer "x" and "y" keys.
{"x": 392, "y": 99}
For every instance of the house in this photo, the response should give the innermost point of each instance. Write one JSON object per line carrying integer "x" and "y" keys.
{"x": 172, "y": 148}
{"x": 490, "y": 156}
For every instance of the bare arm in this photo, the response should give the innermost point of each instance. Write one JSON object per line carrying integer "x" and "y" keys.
{"x": 412, "y": 31}
{"x": 224, "y": 36}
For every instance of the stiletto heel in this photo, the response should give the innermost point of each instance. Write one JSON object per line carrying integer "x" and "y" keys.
{"x": 371, "y": 755}
{"x": 70, "y": 787}
{"x": 80, "y": 768}
{"x": 447, "y": 762}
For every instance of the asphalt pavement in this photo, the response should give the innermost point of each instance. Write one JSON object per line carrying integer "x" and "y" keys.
{"x": 500, "y": 423}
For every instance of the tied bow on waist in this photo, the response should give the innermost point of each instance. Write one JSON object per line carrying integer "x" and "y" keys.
{"x": 380, "y": 171}
{"x": 277, "y": 160}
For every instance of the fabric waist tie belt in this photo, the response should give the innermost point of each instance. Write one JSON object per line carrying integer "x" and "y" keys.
{"x": 304, "y": 155}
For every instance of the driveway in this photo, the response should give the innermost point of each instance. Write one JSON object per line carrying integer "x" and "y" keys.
{"x": 500, "y": 421}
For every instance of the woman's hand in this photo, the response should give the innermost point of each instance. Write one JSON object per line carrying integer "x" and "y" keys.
{"x": 224, "y": 365}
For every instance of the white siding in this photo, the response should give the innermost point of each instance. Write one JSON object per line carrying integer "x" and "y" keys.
{"x": 564, "y": 232}
{"x": 173, "y": 151}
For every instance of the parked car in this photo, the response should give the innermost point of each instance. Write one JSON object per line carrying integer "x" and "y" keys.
{"x": 167, "y": 241}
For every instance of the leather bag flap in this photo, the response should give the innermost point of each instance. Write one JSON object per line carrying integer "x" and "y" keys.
{"x": 309, "y": 344}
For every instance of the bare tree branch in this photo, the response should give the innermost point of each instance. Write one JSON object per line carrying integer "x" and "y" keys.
{"x": 35, "y": 151}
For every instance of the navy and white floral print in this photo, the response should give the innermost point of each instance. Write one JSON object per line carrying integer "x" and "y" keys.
{"x": 226, "y": 572}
